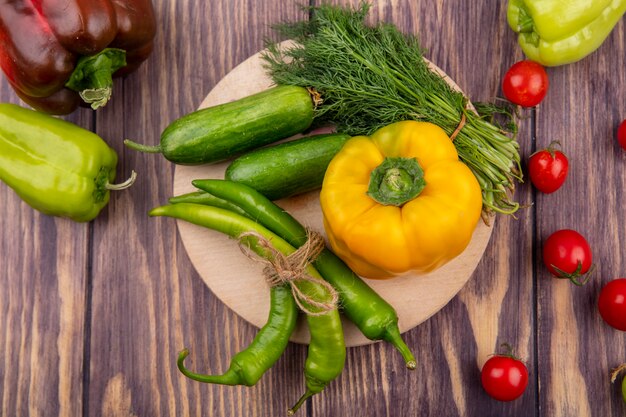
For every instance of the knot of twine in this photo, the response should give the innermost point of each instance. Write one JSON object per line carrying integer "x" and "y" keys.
{"x": 288, "y": 269}
{"x": 459, "y": 127}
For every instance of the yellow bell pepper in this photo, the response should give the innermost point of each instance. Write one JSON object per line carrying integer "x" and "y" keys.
{"x": 399, "y": 200}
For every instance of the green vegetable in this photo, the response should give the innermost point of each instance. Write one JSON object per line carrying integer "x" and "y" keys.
{"x": 554, "y": 32}
{"x": 93, "y": 76}
{"x": 201, "y": 197}
{"x": 247, "y": 366}
{"x": 55, "y": 166}
{"x": 376, "y": 318}
{"x": 289, "y": 168}
{"x": 220, "y": 132}
{"x": 371, "y": 76}
{"x": 326, "y": 355}
{"x": 327, "y": 352}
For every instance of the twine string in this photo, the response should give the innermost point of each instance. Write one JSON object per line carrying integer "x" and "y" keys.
{"x": 289, "y": 269}
{"x": 459, "y": 127}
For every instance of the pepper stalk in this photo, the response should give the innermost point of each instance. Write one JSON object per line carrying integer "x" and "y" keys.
{"x": 93, "y": 76}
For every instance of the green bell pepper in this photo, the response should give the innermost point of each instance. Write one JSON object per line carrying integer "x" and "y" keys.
{"x": 55, "y": 166}
{"x": 558, "y": 32}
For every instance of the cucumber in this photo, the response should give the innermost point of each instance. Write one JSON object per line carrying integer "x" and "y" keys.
{"x": 289, "y": 168}
{"x": 220, "y": 132}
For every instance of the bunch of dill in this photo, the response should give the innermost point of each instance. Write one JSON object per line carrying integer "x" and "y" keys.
{"x": 371, "y": 76}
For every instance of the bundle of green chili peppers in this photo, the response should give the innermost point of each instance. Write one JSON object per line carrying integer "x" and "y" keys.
{"x": 235, "y": 210}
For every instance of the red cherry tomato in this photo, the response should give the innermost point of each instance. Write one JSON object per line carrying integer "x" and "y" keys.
{"x": 504, "y": 377}
{"x": 547, "y": 169}
{"x": 621, "y": 134}
{"x": 566, "y": 254}
{"x": 525, "y": 83}
{"x": 612, "y": 303}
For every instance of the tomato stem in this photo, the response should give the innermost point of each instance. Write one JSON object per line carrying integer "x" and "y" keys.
{"x": 507, "y": 353}
{"x": 574, "y": 276}
{"x": 551, "y": 149}
{"x": 616, "y": 371}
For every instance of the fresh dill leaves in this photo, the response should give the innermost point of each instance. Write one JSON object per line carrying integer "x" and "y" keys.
{"x": 371, "y": 76}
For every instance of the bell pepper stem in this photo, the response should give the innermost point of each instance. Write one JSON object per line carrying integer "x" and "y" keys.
{"x": 525, "y": 22}
{"x": 228, "y": 378}
{"x": 103, "y": 186}
{"x": 93, "y": 76}
{"x": 396, "y": 181}
{"x": 124, "y": 185}
{"x": 96, "y": 97}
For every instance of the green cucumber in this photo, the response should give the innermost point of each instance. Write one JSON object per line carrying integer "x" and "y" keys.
{"x": 221, "y": 132}
{"x": 289, "y": 168}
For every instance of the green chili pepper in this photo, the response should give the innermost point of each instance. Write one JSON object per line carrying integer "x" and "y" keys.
{"x": 55, "y": 166}
{"x": 326, "y": 355}
{"x": 201, "y": 197}
{"x": 554, "y": 32}
{"x": 247, "y": 366}
{"x": 327, "y": 351}
{"x": 376, "y": 318}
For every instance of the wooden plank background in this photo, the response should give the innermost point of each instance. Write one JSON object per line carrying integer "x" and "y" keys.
{"x": 92, "y": 315}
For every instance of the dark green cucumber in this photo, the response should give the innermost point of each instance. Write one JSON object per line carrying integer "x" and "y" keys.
{"x": 220, "y": 132}
{"x": 289, "y": 168}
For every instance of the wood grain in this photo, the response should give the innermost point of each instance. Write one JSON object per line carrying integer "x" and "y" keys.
{"x": 576, "y": 349}
{"x": 452, "y": 345}
{"x": 148, "y": 302}
{"x": 43, "y": 303}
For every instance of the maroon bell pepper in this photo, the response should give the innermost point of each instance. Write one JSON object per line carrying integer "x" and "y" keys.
{"x": 55, "y": 52}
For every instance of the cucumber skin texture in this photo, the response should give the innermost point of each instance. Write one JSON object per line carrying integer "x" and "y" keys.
{"x": 289, "y": 168}
{"x": 220, "y": 132}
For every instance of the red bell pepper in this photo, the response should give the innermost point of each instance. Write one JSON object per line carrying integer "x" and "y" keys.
{"x": 55, "y": 52}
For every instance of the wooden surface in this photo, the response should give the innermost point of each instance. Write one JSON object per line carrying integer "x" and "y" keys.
{"x": 92, "y": 315}
{"x": 219, "y": 262}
